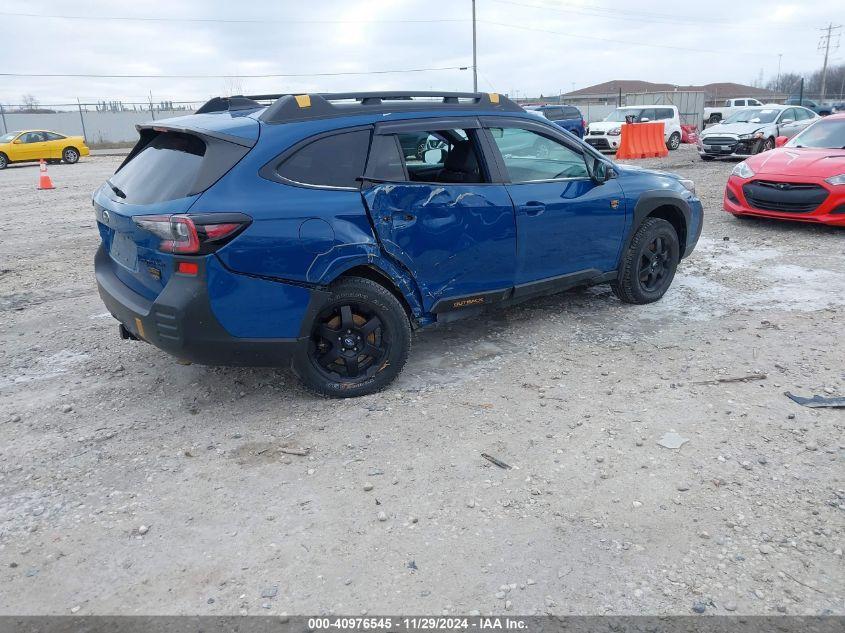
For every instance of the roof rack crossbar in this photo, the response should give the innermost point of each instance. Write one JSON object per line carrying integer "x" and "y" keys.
{"x": 286, "y": 108}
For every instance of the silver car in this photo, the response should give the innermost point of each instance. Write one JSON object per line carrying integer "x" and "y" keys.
{"x": 753, "y": 130}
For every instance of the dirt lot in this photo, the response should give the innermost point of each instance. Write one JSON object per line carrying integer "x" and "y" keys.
{"x": 133, "y": 484}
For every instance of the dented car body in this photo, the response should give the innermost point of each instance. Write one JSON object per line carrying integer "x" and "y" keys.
{"x": 234, "y": 260}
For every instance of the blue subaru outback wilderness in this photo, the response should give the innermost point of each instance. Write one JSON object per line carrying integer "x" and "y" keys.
{"x": 300, "y": 233}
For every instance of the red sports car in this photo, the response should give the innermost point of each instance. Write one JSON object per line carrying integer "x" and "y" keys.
{"x": 803, "y": 179}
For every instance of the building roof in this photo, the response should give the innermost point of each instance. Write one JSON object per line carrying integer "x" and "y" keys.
{"x": 722, "y": 89}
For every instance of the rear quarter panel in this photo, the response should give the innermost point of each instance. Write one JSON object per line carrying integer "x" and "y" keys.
{"x": 298, "y": 233}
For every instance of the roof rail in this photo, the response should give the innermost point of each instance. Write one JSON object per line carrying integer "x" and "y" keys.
{"x": 290, "y": 107}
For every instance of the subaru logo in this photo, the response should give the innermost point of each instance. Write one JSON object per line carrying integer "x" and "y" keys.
{"x": 106, "y": 217}
{"x": 782, "y": 186}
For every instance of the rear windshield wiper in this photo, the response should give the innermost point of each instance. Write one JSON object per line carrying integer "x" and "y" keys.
{"x": 117, "y": 190}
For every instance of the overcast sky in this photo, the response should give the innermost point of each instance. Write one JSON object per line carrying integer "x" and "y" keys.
{"x": 530, "y": 46}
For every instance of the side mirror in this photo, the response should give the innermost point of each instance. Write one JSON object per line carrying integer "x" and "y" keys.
{"x": 644, "y": 119}
{"x": 17, "y": 141}
{"x": 602, "y": 172}
{"x": 780, "y": 141}
{"x": 786, "y": 121}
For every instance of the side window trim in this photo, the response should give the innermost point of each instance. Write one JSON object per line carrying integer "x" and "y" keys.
{"x": 369, "y": 176}
{"x": 425, "y": 125}
{"x": 270, "y": 169}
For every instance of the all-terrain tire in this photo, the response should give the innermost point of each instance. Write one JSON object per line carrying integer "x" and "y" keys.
{"x": 344, "y": 341}
{"x": 649, "y": 264}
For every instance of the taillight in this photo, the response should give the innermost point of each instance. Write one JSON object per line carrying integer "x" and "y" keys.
{"x": 584, "y": 123}
{"x": 178, "y": 233}
{"x": 193, "y": 234}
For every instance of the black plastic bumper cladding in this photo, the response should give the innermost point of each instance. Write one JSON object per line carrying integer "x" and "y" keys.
{"x": 180, "y": 320}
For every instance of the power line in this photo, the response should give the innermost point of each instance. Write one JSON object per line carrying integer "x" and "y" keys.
{"x": 121, "y": 18}
{"x": 632, "y": 16}
{"x": 234, "y": 76}
{"x": 618, "y": 41}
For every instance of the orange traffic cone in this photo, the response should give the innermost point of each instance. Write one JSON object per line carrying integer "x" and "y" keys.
{"x": 44, "y": 181}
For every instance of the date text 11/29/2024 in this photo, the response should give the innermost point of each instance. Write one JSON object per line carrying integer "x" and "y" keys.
{"x": 418, "y": 623}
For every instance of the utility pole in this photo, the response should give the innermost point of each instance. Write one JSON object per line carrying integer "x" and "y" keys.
{"x": 777, "y": 81}
{"x": 82, "y": 120}
{"x": 824, "y": 42}
{"x": 474, "y": 53}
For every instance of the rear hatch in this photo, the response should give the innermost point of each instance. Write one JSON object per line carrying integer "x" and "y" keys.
{"x": 167, "y": 170}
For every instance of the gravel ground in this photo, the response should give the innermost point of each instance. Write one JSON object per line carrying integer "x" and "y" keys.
{"x": 132, "y": 484}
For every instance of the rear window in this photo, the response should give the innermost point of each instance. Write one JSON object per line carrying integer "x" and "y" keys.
{"x": 332, "y": 161}
{"x": 173, "y": 165}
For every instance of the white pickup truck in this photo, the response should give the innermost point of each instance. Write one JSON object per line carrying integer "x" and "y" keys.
{"x": 717, "y": 113}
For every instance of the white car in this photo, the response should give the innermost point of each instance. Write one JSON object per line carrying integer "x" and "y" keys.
{"x": 605, "y": 135}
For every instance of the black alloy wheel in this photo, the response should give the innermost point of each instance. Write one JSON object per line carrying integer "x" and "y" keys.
{"x": 359, "y": 341}
{"x": 654, "y": 264}
{"x": 349, "y": 342}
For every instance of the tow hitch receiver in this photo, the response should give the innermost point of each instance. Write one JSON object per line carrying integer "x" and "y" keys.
{"x": 126, "y": 334}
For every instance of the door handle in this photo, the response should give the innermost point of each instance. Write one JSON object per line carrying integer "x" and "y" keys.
{"x": 532, "y": 208}
{"x": 402, "y": 218}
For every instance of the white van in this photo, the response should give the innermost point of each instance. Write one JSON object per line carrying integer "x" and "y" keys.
{"x": 605, "y": 135}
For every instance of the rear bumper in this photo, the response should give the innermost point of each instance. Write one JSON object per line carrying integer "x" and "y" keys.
{"x": 182, "y": 323}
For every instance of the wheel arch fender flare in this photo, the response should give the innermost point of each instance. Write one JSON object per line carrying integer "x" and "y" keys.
{"x": 383, "y": 271}
{"x": 663, "y": 204}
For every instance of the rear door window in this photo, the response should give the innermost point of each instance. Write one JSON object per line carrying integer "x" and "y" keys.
{"x": 448, "y": 156}
{"x": 648, "y": 113}
{"x": 665, "y": 113}
{"x": 331, "y": 161}
{"x": 554, "y": 114}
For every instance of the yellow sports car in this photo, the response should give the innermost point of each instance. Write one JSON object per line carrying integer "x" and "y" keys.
{"x": 20, "y": 147}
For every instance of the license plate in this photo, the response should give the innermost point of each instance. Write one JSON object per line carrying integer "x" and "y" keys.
{"x": 124, "y": 251}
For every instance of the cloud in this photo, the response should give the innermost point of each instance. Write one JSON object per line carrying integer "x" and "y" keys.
{"x": 557, "y": 46}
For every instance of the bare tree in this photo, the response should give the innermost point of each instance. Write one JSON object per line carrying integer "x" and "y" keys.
{"x": 233, "y": 86}
{"x": 29, "y": 102}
